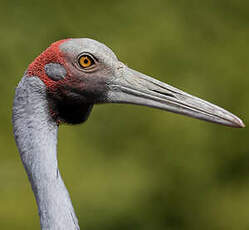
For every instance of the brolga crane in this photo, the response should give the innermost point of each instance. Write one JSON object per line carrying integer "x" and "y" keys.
{"x": 61, "y": 86}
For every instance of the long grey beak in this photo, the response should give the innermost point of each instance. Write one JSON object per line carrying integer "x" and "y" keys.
{"x": 132, "y": 87}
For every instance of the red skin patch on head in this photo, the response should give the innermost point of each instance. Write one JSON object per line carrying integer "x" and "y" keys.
{"x": 51, "y": 55}
{"x": 64, "y": 103}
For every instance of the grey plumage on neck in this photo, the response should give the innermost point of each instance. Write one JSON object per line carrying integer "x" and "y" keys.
{"x": 36, "y": 137}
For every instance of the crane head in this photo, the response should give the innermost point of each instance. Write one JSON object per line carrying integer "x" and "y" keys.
{"x": 79, "y": 73}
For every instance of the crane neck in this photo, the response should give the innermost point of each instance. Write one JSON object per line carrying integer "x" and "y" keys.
{"x": 36, "y": 137}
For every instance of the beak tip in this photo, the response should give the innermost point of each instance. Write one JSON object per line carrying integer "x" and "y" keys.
{"x": 239, "y": 123}
{"x": 242, "y": 125}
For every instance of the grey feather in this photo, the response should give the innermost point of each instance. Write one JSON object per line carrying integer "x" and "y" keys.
{"x": 55, "y": 71}
{"x": 36, "y": 137}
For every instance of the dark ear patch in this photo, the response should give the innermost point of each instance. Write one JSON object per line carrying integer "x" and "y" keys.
{"x": 55, "y": 71}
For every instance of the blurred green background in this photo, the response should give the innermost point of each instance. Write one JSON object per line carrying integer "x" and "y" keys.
{"x": 130, "y": 167}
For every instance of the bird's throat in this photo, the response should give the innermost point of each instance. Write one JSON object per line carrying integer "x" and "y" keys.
{"x": 68, "y": 110}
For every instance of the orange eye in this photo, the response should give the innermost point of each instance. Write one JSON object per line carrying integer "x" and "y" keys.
{"x": 86, "y": 61}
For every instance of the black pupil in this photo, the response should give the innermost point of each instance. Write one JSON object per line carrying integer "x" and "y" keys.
{"x": 86, "y": 61}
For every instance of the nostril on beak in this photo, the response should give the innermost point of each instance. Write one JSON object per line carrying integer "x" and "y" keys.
{"x": 163, "y": 93}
